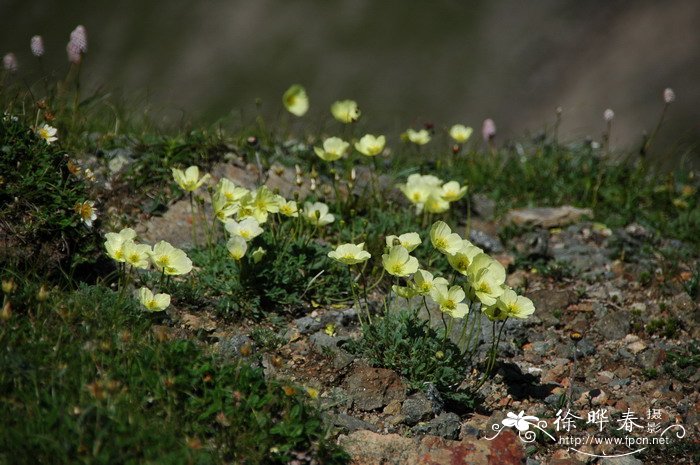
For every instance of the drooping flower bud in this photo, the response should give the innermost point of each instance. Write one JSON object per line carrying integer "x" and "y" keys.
{"x": 488, "y": 130}
{"x": 9, "y": 62}
{"x": 79, "y": 38}
{"x": 37, "y": 46}
{"x": 669, "y": 95}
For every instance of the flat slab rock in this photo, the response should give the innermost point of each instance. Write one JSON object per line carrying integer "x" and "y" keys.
{"x": 547, "y": 217}
{"x": 373, "y": 388}
{"x": 368, "y": 448}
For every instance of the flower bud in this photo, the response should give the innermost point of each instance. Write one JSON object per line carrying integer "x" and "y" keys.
{"x": 37, "y": 46}
{"x": 6, "y": 312}
{"x": 8, "y": 286}
{"x": 669, "y": 95}
{"x": 608, "y": 115}
{"x": 488, "y": 130}
{"x": 43, "y": 293}
{"x": 9, "y": 62}
{"x": 79, "y": 38}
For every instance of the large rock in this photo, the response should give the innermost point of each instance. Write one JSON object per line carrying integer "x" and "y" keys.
{"x": 373, "y": 388}
{"x": 368, "y": 448}
{"x": 547, "y": 217}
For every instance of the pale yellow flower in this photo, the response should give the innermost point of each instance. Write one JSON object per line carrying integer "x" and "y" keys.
{"x": 514, "y": 305}
{"x": 136, "y": 255}
{"x": 443, "y": 239}
{"x": 399, "y": 263}
{"x": 333, "y": 149}
{"x": 153, "y": 303}
{"x": 345, "y": 111}
{"x": 408, "y": 241}
{"x": 350, "y": 254}
{"x": 237, "y": 247}
{"x": 295, "y": 100}
{"x": 463, "y": 257}
{"x": 229, "y": 191}
{"x": 370, "y": 145}
{"x": 189, "y": 179}
{"x": 450, "y": 300}
{"x": 423, "y": 282}
{"x": 48, "y": 133}
{"x": 420, "y": 137}
{"x": 435, "y": 203}
{"x": 289, "y": 208}
{"x": 170, "y": 260}
{"x": 317, "y": 214}
{"x": 248, "y": 228}
{"x": 115, "y": 243}
{"x": 223, "y": 208}
{"x": 452, "y": 191}
{"x": 460, "y": 133}
{"x": 486, "y": 278}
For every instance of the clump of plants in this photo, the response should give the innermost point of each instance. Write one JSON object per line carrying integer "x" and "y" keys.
{"x": 46, "y": 211}
{"x": 84, "y": 379}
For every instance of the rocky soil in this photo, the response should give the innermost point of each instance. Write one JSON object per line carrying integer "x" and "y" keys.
{"x": 615, "y": 329}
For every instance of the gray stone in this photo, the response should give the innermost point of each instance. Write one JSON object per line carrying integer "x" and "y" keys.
{"x": 348, "y": 423}
{"x": 612, "y": 324}
{"x": 231, "y": 346}
{"x": 323, "y": 340}
{"x": 417, "y": 408}
{"x": 485, "y": 241}
{"x": 308, "y": 325}
{"x": 585, "y": 348}
{"x": 483, "y": 206}
{"x": 547, "y": 217}
{"x": 446, "y": 425}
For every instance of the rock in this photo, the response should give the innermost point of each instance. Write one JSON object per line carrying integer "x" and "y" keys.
{"x": 626, "y": 460}
{"x": 682, "y": 307}
{"x": 417, "y": 408}
{"x": 373, "y": 388}
{"x": 231, "y": 346}
{"x": 547, "y": 217}
{"x": 485, "y": 241}
{"x": 308, "y": 325}
{"x": 368, "y": 448}
{"x": 585, "y": 348}
{"x": 534, "y": 244}
{"x": 174, "y": 226}
{"x": 392, "y": 408}
{"x": 612, "y": 324}
{"x": 548, "y": 302}
{"x": 349, "y": 423}
{"x": 445, "y": 425}
{"x": 483, "y": 206}
{"x": 517, "y": 279}
{"x": 636, "y": 347}
{"x": 323, "y": 340}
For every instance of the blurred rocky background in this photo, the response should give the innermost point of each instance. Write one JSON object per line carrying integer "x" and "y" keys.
{"x": 406, "y": 63}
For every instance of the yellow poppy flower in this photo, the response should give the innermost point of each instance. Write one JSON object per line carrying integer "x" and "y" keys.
{"x": 399, "y": 263}
{"x": 370, "y": 145}
{"x": 115, "y": 243}
{"x": 295, "y": 100}
{"x": 48, "y": 133}
{"x": 189, "y": 179}
{"x": 408, "y": 241}
{"x": 333, "y": 149}
{"x": 345, "y": 111}
{"x": 350, "y": 254}
{"x": 317, "y": 214}
{"x": 237, "y": 247}
{"x": 153, "y": 303}
{"x": 420, "y": 137}
{"x": 460, "y": 133}
{"x": 170, "y": 260}
{"x": 443, "y": 239}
